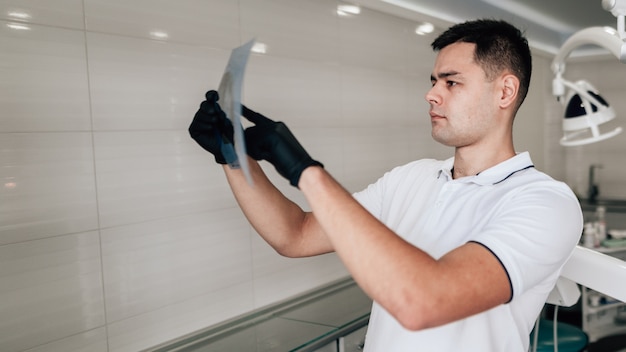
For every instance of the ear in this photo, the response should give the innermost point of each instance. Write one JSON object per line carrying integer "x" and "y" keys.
{"x": 509, "y": 90}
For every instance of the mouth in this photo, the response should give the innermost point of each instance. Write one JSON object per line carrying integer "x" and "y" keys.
{"x": 435, "y": 116}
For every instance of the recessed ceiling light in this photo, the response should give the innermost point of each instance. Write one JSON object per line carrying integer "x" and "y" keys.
{"x": 425, "y": 28}
{"x": 346, "y": 10}
{"x": 18, "y": 26}
{"x": 159, "y": 35}
{"x": 20, "y": 15}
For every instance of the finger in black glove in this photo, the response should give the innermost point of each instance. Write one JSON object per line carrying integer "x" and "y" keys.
{"x": 273, "y": 141}
{"x": 213, "y": 130}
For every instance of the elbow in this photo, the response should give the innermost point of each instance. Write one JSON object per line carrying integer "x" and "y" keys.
{"x": 283, "y": 250}
{"x": 412, "y": 320}
{"x": 286, "y": 249}
{"x": 286, "y": 252}
{"x": 416, "y": 315}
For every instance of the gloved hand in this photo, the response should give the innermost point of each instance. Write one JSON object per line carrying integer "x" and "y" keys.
{"x": 272, "y": 141}
{"x": 213, "y": 130}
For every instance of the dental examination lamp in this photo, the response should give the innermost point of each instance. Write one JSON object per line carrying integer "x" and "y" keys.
{"x": 585, "y": 109}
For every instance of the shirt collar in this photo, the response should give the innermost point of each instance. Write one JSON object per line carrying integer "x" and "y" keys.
{"x": 492, "y": 175}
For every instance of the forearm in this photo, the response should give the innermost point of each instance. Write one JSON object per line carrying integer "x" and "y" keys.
{"x": 402, "y": 278}
{"x": 381, "y": 262}
{"x": 399, "y": 276}
{"x": 281, "y": 222}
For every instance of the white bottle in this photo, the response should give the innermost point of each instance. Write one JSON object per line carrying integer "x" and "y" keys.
{"x": 589, "y": 235}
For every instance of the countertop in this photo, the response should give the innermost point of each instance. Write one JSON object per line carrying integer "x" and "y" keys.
{"x": 301, "y": 324}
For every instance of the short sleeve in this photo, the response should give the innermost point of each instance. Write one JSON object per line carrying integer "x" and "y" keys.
{"x": 535, "y": 233}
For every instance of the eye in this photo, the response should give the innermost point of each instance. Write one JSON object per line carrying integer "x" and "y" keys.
{"x": 451, "y": 83}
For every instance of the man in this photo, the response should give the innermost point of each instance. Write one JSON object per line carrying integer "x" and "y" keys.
{"x": 458, "y": 255}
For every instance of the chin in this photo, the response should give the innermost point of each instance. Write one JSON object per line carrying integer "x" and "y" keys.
{"x": 441, "y": 139}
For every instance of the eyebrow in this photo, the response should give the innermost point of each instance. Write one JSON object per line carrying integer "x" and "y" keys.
{"x": 444, "y": 75}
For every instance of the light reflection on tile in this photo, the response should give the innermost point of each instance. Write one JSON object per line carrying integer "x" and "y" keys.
{"x": 146, "y": 85}
{"x": 43, "y": 80}
{"x": 61, "y": 13}
{"x": 214, "y": 23}
{"x": 376, "y": 40}
{"x": 48, "y": 185}
{"x": 299, "y": 29}
{"x": 51, "y": 288}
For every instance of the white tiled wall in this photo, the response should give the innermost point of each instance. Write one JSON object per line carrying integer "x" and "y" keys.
{"x": 118, "y": 232}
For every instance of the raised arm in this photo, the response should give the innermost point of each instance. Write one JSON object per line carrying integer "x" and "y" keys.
{"x": 419, "y": 291}
{"x": 282, "y": 223}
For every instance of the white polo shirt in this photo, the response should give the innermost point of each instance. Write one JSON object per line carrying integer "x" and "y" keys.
{"x": 527, "y": 219}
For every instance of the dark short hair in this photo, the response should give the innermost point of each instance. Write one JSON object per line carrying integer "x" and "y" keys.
{"x": 500, "y": 46}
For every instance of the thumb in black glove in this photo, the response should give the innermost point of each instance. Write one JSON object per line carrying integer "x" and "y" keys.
{"x": 272, "y": 141}
{"x": 213, "y": 130}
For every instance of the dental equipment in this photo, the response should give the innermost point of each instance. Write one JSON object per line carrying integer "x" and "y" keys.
{"x": 585, "y": 108}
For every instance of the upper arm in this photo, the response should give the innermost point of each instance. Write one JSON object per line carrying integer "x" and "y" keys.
{"x": 522, "y": 247}
{"x": 476, "y": 277}
{"x": 468, "y": 280}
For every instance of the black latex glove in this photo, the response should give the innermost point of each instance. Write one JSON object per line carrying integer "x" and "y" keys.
{"x": 272, "y": 141}
{"x": 213, "y": 130}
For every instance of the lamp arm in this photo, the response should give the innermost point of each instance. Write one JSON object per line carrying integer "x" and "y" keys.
{"x": 605, "y": 37}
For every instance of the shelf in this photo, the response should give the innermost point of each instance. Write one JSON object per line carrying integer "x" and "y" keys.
{"x": 604, "y": 307}
{"x": 602, "y": 330}
{"x": 303, "y": 323}
{"x": 609, "y": 250}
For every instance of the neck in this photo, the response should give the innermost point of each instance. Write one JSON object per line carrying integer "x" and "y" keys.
{"x": 470, "y": 163}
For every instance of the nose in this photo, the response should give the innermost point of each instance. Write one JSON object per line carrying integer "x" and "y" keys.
{"x": 432, "y": 97}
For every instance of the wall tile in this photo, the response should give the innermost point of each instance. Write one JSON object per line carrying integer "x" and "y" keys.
{"x": 421, "y": 56}
{"x": 183, "y": 317}
{"x": 48, "y": 186}
{"x": 298, "y": 29}
{"x": 90, "y": 341}
{"x": 371, "y": 153}
{"x": 212, "y": 23}
{"x": 155, "y": 264}
{"x": 43, "y": 80}
{"x": 325, "y": 144}
{"x": 148, "y": 175}
{"x": 375, "y": 40}
{"x": 298, "y": 92}
{"x": 277, "y": 277}
{"x": 51, "y": 288}
{"x": 373, "y": 97}
{"x": 58, "y": 13}
{"x": 138, "y": 84}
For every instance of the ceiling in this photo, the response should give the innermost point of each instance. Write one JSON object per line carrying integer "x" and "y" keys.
{"x": 547, "y": 23}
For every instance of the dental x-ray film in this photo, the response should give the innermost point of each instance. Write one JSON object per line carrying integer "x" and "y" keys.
{"x": 230, "y": 100}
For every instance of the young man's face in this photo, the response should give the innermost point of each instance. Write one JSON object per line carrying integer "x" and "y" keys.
{"x": 462, "y": 100}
